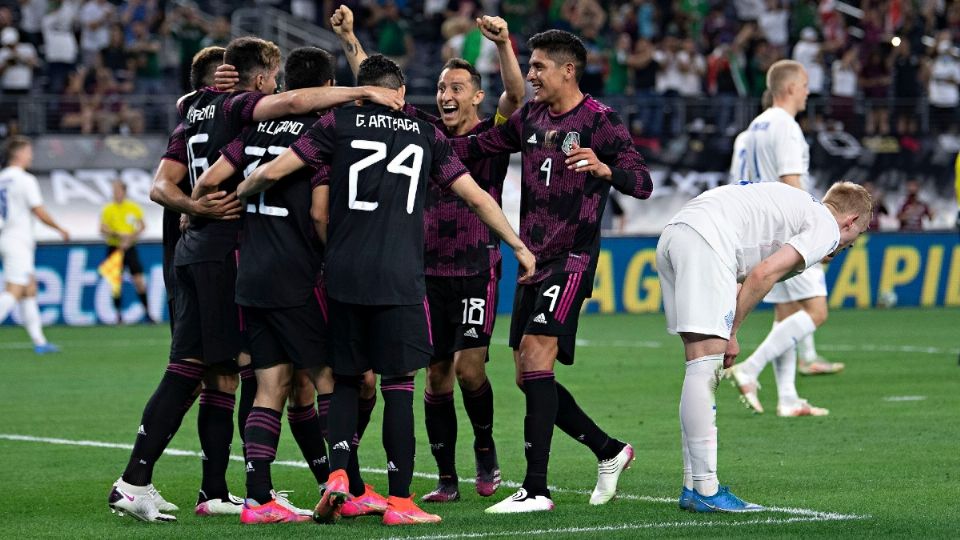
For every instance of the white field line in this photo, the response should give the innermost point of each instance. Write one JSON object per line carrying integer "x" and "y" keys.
{"x": 803, "y": 514}
{"x": 628, "y": 527}
{"x": 904, "y": 398}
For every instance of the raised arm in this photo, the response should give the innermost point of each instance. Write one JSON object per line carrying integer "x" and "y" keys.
{"x": 307, "y": 100}
{"x": 342, "y": 23}
{"x": 487, "y": 209}
{"x": 514, "y": 88}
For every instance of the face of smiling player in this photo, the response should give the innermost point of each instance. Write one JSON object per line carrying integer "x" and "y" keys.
{"x": 547, "y": 77}
{"x": 457, "y": 100}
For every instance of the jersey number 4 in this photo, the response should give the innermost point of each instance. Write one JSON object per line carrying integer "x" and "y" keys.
{"x": 397, "y": 165}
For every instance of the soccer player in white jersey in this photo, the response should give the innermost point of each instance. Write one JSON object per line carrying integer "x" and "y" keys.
{"x": 754, "y": 235}
{"x": 774, "y": 150}
{"x": 20, "y": 201}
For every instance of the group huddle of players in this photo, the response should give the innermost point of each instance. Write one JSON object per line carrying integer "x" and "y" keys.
{"x": 369, "y": 246}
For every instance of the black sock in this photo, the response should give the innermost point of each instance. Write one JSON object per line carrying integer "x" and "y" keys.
{"x": 440, "y": 415}
{"x": 146, "y": 310}
{"x": 117, "y": 304}
{"x": 305, "y": 427}
{"x": 541, "y": 391}
{"x": 342, "y": 420}
{"x": 215, "y": 428}
{"x": 262, "y": 435}
{"x": 398, "y": 438}
{"x": 479, "y": 406}
{"x": 161, "y": 418}
{"x": 248, "y": 391}
{"x": 323, "y": 409}
{"x": 366, "y": 407}
{"x": 575, "y": 423}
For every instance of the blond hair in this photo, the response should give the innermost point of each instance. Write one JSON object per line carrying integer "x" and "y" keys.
{"x": 782, "y": 73}
{"x": 846, "y": 198}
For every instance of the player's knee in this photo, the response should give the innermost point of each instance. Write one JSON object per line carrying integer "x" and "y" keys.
{"x": 368, "y": 384}
{"x": 301, "y": 390}
{"x": 819, "y": 315}
{"x": 471, "y": 375}
{"x": 322, "y": 380}
{"x": 221, "y": 381}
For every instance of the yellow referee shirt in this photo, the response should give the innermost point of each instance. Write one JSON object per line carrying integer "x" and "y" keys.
{"x": 120, "y": 219}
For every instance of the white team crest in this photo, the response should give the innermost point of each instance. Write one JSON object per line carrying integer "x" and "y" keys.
{"x": 572, "y": 138}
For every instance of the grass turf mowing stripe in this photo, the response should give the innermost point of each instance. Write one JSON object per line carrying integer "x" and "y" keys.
{"x": 806, "y": 514}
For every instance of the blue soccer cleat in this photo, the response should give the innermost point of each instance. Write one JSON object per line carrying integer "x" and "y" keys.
{"x": 686, "y": 499}
{"x": 723, "y": 501}
{"x": 46, "y": 348}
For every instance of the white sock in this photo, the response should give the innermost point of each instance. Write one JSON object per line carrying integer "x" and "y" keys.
{"x": 783, "y": 336}
{"x": 687, "y": 466}
{"x": 807, "y": 349}
{"x": 785, "y": 373}
{"x": 698, "y": 416}
{"x": 31, "y": 320}
{"x": 7, "y": 301}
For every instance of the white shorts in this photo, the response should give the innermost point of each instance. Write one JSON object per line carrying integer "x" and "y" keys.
{"x": 811, "y": 283}
{"x": 18, "y": 262}
{"x": 699, "y": 290}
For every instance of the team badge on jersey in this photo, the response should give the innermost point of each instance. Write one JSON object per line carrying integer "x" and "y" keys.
{"x": 572, "y": 138}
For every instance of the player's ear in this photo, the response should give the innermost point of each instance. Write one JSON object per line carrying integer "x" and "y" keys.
{"x": 402, "y": 91}
{"x": 477, "y": 97}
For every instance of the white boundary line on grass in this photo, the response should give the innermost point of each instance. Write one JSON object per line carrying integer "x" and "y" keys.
{"x": 801, "y": 514}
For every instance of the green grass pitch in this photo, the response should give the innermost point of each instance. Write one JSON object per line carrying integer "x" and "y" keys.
{"x": 884, "y": 463}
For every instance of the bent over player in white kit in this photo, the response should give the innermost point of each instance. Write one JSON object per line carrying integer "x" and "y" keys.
{"x": 20, "y": 201}
{"x": 773, "y": 149}
{"x": 754, "y": 235}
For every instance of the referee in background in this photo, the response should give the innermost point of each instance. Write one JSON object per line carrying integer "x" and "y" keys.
{"x": 121, "y": 223}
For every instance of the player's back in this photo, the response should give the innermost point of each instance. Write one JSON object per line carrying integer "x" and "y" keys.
{"x": 773, "y": 146}
{"x": 281, "y": 255}
{"x": 212, "y": 121}
{"x": 19, "y": 195}
{"x": 381, "y": 162}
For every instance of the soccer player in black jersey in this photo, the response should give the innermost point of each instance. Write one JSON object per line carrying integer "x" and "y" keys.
{"x": 380, "y": 164}
{"x": 461, "y": 262}
{"x": 573, "y": 148}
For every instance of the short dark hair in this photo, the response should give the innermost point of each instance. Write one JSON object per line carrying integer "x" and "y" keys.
{"x": 561, "y": 47}
{"x": 204, "y": 65}
{"x": 307, "y": 67}
{"x": 251, "y": 56}
{"x": 460, "y": 63}
{"x": 378, "y": 70}
{"x": 13, "y": 145}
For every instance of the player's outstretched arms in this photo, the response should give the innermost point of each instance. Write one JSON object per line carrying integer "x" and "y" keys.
{"x": 514, "y": 88}
{"x": 487, "y": 209}
{"x": 213, "y": 178}
{"x": 342, "y": 23}
{"x": 265, "y": 175}
{"x": 307, "y": 100}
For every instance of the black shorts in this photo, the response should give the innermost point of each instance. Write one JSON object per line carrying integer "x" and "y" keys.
{"x": 207, "y": 325}
{"x": 390, "y": 340}
{"x": 296, "y": 335}
{"x": 551, "y": 308}
{"x": 462, "y": 312}
{"x": 131, "y": 259}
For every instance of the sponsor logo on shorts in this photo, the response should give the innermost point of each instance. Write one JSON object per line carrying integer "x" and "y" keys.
{"x": 540, "y": 318}
{"x": 472, "y": 332}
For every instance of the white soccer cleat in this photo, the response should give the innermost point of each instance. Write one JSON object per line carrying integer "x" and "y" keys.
{"x": 163, "y": 505}
{"x": 748, "y": 388}
{"x": 232, "y": 506}
{"x": 521, "y": 502}
{"x": 820, "y": 366}
{"x": 801, "y": 407}
{"x": 608, "y": 474}
{"x": 137, "y": 501}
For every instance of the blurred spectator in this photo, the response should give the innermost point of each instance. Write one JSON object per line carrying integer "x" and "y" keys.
{"x": 187, "y": 29}
{"x": 645, "y": 65}
{"x": 913, "y": 210}
{"x": 60, "y": 43}
{"x": 393, "y": 35}
{"x": 749, "y": 10}
{"x": 116, "y": 57}
{"x": 808, "y": 52}
{"x": 875, "y": 80}
{"x": 134, "y": 11}
{"x": 17, "y": 61}
{"x": 803, "y": 14}
{"x": 95, "y": 19}
{"x": 906, "y": 78}
{"x": 76, "y": 107}
{"x": 220, "y": 33}
{"x": 519, "y": 14}
{"x": 692, "y": 68}
{"x": 591, "y": 81}
{"x": 646, "y": 17}
{"x": 833, "y": 26}
{"x": 670, "y": 57}
{"x": 942, "y": 73}
{"x": 31, "y": 19}
{"x": 111, "y": 111}
{"x": 773, "y": 25}
{"x": 843, "y": 89}
{"x": 718, "y": 28}
{"x": 145, "y": 53}
{"x": 763, "y": 57}
{"x": 618, "y": 74}
{"x": 879, "y": 209}
{"x": 722, "y": 84}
